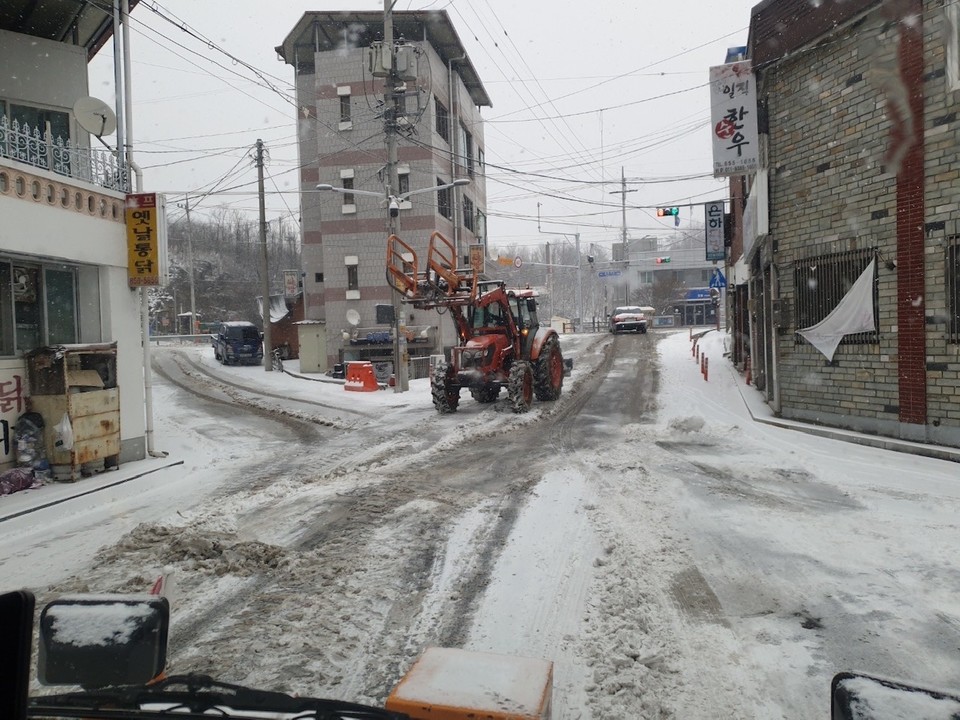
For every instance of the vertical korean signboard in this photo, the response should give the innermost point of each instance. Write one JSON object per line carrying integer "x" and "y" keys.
{"x": 733, "y": 115}
{"x": 143, "y": 240}
{"x": 713, "y": 221}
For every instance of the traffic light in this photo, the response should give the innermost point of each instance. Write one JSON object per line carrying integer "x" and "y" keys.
{"x": 662, "y": 260}
{"x": 667, "y": 211}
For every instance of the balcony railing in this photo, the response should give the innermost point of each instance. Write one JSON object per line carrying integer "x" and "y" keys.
{"x": 28, "y": 145}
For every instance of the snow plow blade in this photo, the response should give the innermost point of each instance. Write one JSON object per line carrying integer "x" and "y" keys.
{"x": 453, "y": 684}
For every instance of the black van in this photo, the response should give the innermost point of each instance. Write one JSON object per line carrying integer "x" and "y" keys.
{"x": 238, "y": 342}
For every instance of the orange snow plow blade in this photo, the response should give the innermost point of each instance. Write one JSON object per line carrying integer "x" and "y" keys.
{"x": 452, "y": 684}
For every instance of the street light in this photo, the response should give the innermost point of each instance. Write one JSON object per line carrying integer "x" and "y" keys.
{"x": 392, "y": 203}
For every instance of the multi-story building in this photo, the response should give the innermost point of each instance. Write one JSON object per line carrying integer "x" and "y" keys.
{"x": 858, "y": 179}
{"x": 63, "y": 243}
{"x": 342, "y": 143}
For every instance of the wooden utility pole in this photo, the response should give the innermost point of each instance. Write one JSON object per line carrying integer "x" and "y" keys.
{"x": 264, "y": 267}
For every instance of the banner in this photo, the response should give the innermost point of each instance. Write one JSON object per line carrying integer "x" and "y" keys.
{"x": 713, "y": 222}
{"x": 733, "y": 115}
{"x": 143, "y": 240}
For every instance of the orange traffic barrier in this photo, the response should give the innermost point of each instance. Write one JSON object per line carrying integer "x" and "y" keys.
{"x": 360, "y": 377}
{"x": 706, "y": 367}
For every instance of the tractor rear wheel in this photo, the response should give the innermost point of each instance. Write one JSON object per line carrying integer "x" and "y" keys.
{"x": 548, "y": 373}
{"x": 485, "y": 393}
{"x": 446, "y": 394}
{"x": 520, "y": 386}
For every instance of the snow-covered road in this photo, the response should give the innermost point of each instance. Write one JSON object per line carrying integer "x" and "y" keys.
{"x": 673, "y": 558}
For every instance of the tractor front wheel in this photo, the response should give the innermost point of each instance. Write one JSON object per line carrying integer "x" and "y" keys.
{"x": 446, "y": 394}
{"x": 520, "y": 386}
{"x": 548, "y": 375}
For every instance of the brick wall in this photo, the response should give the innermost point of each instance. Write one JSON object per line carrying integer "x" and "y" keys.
{"x": 839, "y": 181}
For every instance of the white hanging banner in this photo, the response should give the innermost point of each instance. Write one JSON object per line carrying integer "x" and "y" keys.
{"x": 733, "y": 116}
{"x": 853, "y": 314}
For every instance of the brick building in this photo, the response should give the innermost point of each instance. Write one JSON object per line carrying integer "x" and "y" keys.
{"x": 859, "y": 165}
{"x": 341, "y": 143}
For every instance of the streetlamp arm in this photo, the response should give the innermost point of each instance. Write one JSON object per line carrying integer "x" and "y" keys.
{"x": 345, "y": 191}
{"x": 456, "y": 183}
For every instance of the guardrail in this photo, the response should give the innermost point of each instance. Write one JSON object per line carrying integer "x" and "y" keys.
{"x": 202, "y": 339}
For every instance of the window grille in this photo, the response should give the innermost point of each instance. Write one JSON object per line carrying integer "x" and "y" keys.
{"x": 468, "y": 214}
{"x": 822, "y": 281}
{"x": 952, "y": 276}
{"x": 344, "y": 108}
{"x": 444, "y": 205}
{"x": 442, "y": 120}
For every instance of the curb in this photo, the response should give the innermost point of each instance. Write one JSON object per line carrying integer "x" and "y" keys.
{"x": 938, "y": 452}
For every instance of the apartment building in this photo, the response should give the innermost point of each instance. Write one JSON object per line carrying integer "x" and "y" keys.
{"x": 849, "y": 231}
{"x": 63, "y": 243}
{"x": 341, "y": 143}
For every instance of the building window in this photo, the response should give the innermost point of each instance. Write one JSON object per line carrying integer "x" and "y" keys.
{"x": 820, "y": 284}
{"x": 403, "y": 183}
{"x": 318, "y": 277}
{"x": 466, "y": 150}
{"x": 468, "y": 217}
{"x": 38, "y": 306}
{"x": 353, "y": 277}
{"x": 481, "y": 160}
{"x": 442, "y": 119}
{"x": 348, "y": 197}
{"x": 444, "y": 204}
{"x": 346, "y": 119}
{"x": 953, "y": 287}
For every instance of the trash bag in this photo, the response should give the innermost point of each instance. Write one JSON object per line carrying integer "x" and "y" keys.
{"x": 29, "y": 443}
{"x": 16, "y": 479}
{"x": 64, "y": 431}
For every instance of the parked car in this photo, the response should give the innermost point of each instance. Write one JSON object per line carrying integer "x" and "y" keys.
{"x": 238, "y": 341}
{"x": 629, "y": 318}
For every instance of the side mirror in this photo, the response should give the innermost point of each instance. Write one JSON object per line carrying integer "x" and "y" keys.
{"x": 861, "y": 697}
{"x": 103, "y": 640}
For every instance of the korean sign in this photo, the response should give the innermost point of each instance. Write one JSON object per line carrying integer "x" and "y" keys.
{"x": 713, "y": 221}
{"x": 291, "y": 283}
{"x": 733, "y": 116}
{"x": 143, "y": 240}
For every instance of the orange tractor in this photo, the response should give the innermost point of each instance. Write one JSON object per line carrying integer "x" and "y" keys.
{"x": 501, "y": 341}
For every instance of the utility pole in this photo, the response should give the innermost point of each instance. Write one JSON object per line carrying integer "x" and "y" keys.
{"x": 264, "y": 268}
{"x": 622, "y": 192}
{"x": 194, "y": 329}
{"x": 400, "y": 357}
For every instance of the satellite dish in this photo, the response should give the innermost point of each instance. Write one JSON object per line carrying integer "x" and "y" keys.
{"x": 353, "y": 317}
{"x": 95, "y": 116}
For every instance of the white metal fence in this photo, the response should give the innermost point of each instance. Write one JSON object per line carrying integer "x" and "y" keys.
{"x": 39, "y": 149}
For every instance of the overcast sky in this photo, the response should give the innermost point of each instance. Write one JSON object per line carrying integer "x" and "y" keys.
{"x": 579, "y": 91}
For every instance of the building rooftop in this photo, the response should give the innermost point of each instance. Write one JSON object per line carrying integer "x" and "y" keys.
{"x": 320, "y": 31}
{"x": 77, "y": 23}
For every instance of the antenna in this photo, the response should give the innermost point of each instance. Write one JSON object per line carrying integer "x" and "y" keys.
{"x": 95, "y": 116}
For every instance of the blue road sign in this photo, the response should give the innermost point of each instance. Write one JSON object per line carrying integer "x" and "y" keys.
{"x": 718, "y": 280}
{"x": 609, "y": 273}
